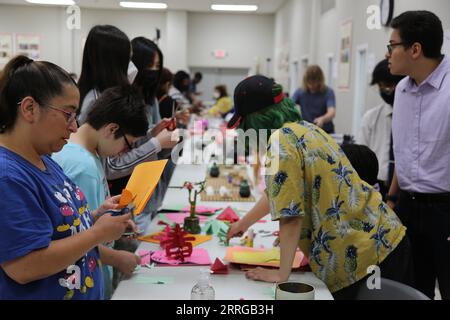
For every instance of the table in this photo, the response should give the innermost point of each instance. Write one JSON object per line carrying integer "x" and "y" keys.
{"x": 233, "y": 286}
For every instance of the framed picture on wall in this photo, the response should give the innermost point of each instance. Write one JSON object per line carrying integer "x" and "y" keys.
{"x": 6, "y": 48}
{"x": 28, "y": 45}
{"x": 345, "y": 55}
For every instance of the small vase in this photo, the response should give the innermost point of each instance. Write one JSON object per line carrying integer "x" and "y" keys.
{"x": 192, "y": 225}
{"x": 244, "y": 189}
{"x": 214, "y": 171}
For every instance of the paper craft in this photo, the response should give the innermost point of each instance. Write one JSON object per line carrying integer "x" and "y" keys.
{"x": 202, "y": 210}
{"x": 143, "y": 181}
{"x": 214, "y": 226}
{"x": 219, "y": 267}
{"x": 259, "y": 257}
{"x": 125, "y": 199}
{"x": 228, "y": 215}
{"x": 156, "y": 238}
{"x": 179, "y": 217}
{"x": 222, "y": 235}
{"x": 145, "y": 257}
{"x": 199, "y": 257}
{"x": 154, "y": 280}
{"x": 177, "y": 244}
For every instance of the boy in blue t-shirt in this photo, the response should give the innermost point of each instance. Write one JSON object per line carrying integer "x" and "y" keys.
{"x": 117, "y": 119}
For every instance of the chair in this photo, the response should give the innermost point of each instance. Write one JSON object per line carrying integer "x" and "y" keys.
{"x": 390, "y": 290}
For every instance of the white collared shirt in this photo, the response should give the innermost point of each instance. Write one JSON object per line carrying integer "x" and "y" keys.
{"x": 375, "y": 133}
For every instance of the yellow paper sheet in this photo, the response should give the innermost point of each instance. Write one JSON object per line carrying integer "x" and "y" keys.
{"x": 143, "y": 182}
{"x": 259, "y": 257}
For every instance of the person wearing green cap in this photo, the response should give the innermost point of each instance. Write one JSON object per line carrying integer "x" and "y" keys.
{"x": 339, "y": 221}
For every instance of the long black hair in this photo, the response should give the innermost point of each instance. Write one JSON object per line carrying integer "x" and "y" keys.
{"x": 23, "y": 77}
{"x": 105, "y": 60}
{"x": 144, "y": 56}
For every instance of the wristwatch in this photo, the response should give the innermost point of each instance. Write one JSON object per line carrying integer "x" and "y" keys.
{"x": 392, "y": 198}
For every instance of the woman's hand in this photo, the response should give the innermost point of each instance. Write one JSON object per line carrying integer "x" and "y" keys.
{"x": 266, "y": 275}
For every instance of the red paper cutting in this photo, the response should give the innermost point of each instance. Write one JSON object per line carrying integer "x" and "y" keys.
{"x": 176, "y": 244}
{"x": 219, "y": 268}
{"x": 228, "y": 215}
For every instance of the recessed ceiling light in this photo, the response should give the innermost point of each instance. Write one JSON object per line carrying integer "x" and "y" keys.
{"x": 53, "y": 2}
{"x": 143, "y": 5}
{"x": 232, "y": 7}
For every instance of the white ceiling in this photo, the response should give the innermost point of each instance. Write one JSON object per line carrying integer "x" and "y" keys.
{"x": 264, "y": 6}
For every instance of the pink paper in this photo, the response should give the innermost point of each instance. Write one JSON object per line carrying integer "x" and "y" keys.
{"x": 201, "y": 209}
{"x": 145, "y": 257}
{"x": 179, "y": 217}
{"x": 199, "y": 257}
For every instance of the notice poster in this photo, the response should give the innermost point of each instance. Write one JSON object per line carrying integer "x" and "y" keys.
{"x": 29, "y": 46}
{"x": 345, "y": 55}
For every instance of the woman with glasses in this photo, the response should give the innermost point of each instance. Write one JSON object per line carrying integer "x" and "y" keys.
{"x": 49, "y": 246}
{"x": 317, "y": 101}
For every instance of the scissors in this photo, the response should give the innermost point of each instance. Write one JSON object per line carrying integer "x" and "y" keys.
{"x": 172, "y": 124}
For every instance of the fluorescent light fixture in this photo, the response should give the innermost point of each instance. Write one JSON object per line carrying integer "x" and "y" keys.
{"x": 53, "y": 2}
{"x": 232, "y": 7}
{"x": 143, "y": 5}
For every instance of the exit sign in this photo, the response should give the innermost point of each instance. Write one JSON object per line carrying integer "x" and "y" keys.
{"x": 220, "y": 54}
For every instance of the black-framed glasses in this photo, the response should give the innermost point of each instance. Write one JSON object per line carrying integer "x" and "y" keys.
{"x": 129, "y": 146}
{"x": 70, "y": 116}
{"x": 391, "y": 46}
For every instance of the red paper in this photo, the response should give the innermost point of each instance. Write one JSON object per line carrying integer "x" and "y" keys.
{"x": 219, "y": 268}
{"x": 228, "y": 215}
{"x": 177, "y": 244}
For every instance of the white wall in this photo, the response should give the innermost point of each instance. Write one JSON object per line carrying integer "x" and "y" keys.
{"x": 187, "y": 38}
{"x": 321, "y": 37}
{"x": 244, "y": 37}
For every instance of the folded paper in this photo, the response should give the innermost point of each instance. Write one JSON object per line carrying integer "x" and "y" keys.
{"x": 142, "y": 183}
{"x": 228, "y": 215}
{"x": 259, "y": 257}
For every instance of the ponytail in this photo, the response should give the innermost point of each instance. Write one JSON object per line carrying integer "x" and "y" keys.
{"x": 23, "y": 77}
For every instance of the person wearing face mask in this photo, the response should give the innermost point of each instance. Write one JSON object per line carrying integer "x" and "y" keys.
{"x": 148, "y": 59}
{"x": 223, "y": 102}
{"x": 376, "y": 127}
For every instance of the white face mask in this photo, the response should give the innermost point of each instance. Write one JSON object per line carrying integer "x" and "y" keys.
{"x": 216, "y": 95}
{"x": 132, "y": 72}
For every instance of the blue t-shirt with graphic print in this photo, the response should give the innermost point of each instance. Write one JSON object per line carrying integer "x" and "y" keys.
{"x": 38, "y": 207}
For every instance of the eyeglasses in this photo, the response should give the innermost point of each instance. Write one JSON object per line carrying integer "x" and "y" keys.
{"x": 391, "y": 46}
{"x": 126, "y": 140}
{"x": 70, "y": 116}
